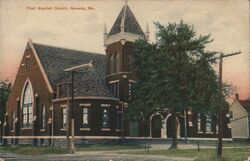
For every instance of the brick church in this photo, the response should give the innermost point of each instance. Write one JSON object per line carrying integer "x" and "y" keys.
{"x": 42, "y": 91}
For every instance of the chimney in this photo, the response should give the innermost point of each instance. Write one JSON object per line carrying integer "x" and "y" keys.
{"x": 237, "y": 96}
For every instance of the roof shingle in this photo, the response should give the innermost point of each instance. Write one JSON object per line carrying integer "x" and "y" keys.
{"x": 245, "y": 104}
{"x": 131, "y": 25}
{"x": 88, "y": 82}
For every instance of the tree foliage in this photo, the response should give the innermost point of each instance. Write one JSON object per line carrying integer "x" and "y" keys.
{"x": 5, "y": 88}
{"x": 175, "y": 72}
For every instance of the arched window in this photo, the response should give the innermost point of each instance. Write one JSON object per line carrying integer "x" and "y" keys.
{"x": 43, "y": 117}
{"x": 111, "y": 64}
{"x": 13, "y": 120}
{"x": 27, "y": 106}
{"x": 117, "y": 63}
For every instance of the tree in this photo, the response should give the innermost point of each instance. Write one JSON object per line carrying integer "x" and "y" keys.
{"x": 5, "y": 88}
{"x": 175, "y": 72}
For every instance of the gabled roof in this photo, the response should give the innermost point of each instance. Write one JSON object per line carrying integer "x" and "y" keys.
{"x": 90, "y": 82}
{"x": 126, "y": 18}
{"x": 245, "y": 104}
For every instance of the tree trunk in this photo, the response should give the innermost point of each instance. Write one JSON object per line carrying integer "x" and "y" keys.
{"x": 174, "y": 139}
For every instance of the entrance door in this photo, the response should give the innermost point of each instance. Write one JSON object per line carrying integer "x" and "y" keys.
{"x": 170, "y": 127}
{"x": 156, "y": 126}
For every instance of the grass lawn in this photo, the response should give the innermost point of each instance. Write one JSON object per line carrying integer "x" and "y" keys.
{"x": 235, "y": 154}
{"x": 225, "y": 144}
{"x": 108, "y": 147}
{"x": 30, "y": 150}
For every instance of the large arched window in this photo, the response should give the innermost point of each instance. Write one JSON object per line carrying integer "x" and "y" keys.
{"x": 27, "y": 106}
{"x": 111, "y": 64}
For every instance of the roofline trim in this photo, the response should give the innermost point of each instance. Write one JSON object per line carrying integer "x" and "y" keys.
{"x": 122, "y": 36}
{"x": 40, "y": 66}
{"x": 243, "y": 109}
{"x": 86, "y": 97}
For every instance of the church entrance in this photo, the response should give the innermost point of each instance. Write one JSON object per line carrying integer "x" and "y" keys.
{"x": 161, "y": 127}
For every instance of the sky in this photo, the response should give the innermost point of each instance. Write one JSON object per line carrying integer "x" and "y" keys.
{"x": 226, "y": 20}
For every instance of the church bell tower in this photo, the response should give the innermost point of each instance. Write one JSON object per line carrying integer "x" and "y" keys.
{"x": 118, "y": 45}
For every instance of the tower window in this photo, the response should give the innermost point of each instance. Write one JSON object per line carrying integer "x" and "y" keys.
{"x": 114, "y": 88}
{"x": 111, "y": 64}
{"x": 130, "y": 61}
{"x": 117, "y": 63}
{"x": 114, "y": 66}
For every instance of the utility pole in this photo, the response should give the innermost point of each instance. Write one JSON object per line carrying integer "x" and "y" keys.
{"x": 220, "y": 135}
{"x": 72, "y": 93}
{"x": 124, "y": 105}
{"x": 67, "y": 114}
{"x": 1, "y": 132}
{"x": 220, "y": 124}
{"x": 52, "y": 125}
{"x": 72, "y": 123}
{"x": 68, "y": 119}
{"x": 122, "y": 123}
{"x": 71, "y": 111}
{"x": 185, "y": 123}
